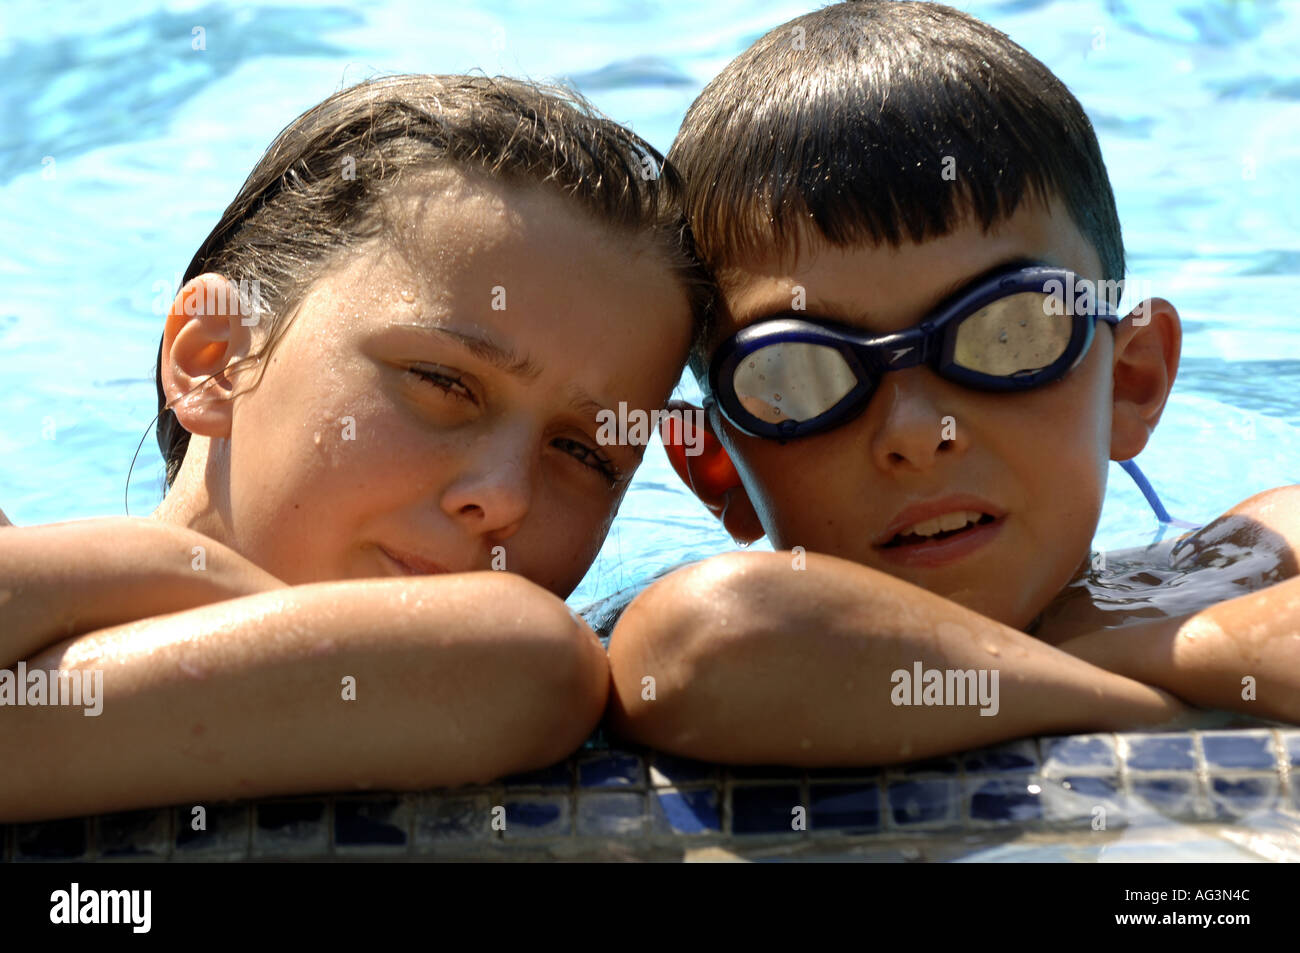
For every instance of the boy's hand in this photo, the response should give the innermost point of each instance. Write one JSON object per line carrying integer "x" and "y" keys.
{"x": 1242, "y": 655}
{"x": 62, "y": 579}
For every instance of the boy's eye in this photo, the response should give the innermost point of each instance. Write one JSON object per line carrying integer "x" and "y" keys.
{"x": 589, "y": 457}
{"x": 447, "y": 382}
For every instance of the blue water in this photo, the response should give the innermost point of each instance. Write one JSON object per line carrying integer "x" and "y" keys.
{"x": 121, "y": 144}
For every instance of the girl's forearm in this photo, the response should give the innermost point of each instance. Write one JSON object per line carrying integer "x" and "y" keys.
{"x": 64, "y": 579}
{"x": 382, "y": 684}
{"x": 755, "y": 663}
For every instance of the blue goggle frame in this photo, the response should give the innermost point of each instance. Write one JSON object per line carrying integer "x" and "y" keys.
{"x": 933, "y": 342}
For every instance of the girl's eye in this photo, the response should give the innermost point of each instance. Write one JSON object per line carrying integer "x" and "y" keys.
{"x": 591, "y": 458}
{"x": 449, "y": 383}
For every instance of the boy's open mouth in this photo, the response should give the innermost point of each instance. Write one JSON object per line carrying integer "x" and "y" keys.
{"x": 931, "y": 531}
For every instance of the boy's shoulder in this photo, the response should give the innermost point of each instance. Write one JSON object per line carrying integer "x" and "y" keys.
{"x": 1252, "y": 546}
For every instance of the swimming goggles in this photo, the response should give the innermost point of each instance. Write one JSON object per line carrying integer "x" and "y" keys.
{"x": 1018, "y": 328}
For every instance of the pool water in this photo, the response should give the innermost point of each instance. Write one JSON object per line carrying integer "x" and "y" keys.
{"x": 122, "y": 143}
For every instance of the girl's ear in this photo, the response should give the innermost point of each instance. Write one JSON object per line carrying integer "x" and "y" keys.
{"x": 702, "y": 463}
{"x": 204, "y": 335}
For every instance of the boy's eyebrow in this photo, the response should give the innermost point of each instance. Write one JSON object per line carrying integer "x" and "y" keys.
{"x": 507, "y": 360}
{"x": 836, "y": 312}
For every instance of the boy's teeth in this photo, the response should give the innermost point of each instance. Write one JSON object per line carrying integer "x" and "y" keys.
{"x": 941, "y": 524}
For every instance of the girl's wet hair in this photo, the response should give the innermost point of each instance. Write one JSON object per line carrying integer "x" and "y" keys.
{"x": 319, "y": 187}
{"x": 842, "y": 122}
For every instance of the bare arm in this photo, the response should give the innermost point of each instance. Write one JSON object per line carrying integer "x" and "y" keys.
{"x": 1241, "y": 655}
{"x": 755, "y": 662}
{"x": 64, "y": 579}
{"x": 458, "y": 679}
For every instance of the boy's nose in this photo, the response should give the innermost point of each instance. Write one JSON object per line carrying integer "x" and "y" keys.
{"x": 912, "y": 420}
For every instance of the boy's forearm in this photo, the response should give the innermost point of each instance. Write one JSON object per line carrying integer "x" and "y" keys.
{"x": 754, "y": 662}
{"x": 458, "y": 679}
{"x": 63, "y": 579}
{"x": 1241, "y": 655}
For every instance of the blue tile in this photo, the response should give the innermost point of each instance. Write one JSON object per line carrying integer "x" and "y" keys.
{"x": 1168, "y": 795}
{"x": 616, "y": 769}
{"x": 667, "y": 770}
{"x": 1073, "y": 801}
{"x": 370, "y": 822}
{"x": 134, "y": 834}
{"x": 1079, "y": 751}
{"x": 51, "y": 840}
{"x": 1013, "y": 757}
{"x": 291, "y": 826}
{"x": 764, "y": 772}
{"x": 764, "y": 810}
{"x": 556, "y": 776}
{"x": 611, "y": 815}
{"x": 686, "y": 812}
{"x": 226, "y": 829}
{"x": 921, "y": 802}
{"x": 843, "y": 773}
{"x": 1238, "y": 749}
{"x": 1237, "y": 798}
{"x": 1088, "y": 786}
{"x": 441, "y": 817}
{"x": 544, "y": 815}
{"x": 844, "y": 807}
{"x": 1161, "y": 753}
{"x": 1291, "y": 743}
{"x": 1005, "y": 800}
{"x": 929, "y": 766}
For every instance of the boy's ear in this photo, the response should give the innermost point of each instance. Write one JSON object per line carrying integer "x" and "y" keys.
{"x": 1148, "y": 343}
{"x": 204, "y": 335}
{"x": 698, "y": 457}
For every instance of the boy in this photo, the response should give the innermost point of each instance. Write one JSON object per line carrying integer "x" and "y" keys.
{"x": 856, "y": 172}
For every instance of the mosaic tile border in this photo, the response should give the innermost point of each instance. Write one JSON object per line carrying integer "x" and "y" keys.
{"x": 620, "y": 802}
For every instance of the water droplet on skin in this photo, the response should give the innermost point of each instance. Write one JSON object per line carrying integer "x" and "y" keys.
{"x": 408, "y": 296}
{"x": 316, "y": 438}
{"x": 993, "y": 650}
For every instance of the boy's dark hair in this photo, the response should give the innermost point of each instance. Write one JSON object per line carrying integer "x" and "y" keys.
{"x": 842, "y": 119}
{"x": 319, "y": 188}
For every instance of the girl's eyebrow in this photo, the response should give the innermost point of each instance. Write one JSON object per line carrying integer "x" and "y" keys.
{"x": 485, "y": 349}
{"x": 507, "y": 360}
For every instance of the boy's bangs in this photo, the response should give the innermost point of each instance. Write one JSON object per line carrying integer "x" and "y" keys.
{"x": 867, "y": 124}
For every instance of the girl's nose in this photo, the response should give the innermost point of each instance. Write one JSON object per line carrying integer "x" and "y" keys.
{"x": 493, "y": 490}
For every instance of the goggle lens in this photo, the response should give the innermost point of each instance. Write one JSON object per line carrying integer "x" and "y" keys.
{"x": 1011, "y": 336}
{"x": 792, "y": 381}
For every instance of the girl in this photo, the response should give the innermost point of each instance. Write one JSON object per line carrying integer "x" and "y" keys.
{"x": 378, "y": 383}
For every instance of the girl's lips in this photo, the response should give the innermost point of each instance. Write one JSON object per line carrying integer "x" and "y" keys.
{"x": 412, "y": 565}
{"x": 934, "y": 553}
